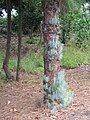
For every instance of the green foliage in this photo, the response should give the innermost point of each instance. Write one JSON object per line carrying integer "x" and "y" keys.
{"x": 2, "y": 3}
{"x": 76, "y": 24}
{"x": 13, "y": 63}
{"x": 2, "y": 75}
{"x": 3, "y": 25}
{"x": 73, "y": 57}
{"x": 2, "y": 78}
{"x": 74, "y": 5}
{"x": 32, "y": 14}
{"x": 32, "y": 63}
{"x": 31, "y": 17}
{"x": 1, "y": 59}
{"x": 3, "y": 21}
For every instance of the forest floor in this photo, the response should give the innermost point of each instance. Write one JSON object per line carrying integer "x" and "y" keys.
{"x": 23, "y": 100}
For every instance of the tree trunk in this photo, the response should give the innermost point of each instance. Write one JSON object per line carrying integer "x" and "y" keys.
{"x": 63, "y": 7}
{"x": 57, "y": 93}
{"x": 19, "y": 39}
{"x": 7, "y": 56}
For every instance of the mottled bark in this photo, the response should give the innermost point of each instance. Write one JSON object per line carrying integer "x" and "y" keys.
{"x": 7, "y": 56}
{"x": 57, "y": 92}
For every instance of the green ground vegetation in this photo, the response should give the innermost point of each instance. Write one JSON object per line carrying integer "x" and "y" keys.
{"x": 33, "y": 62}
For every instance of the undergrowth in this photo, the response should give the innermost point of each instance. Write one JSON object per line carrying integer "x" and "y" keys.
{"x": 73, "y": 57}
{"x": 33, "y": 62}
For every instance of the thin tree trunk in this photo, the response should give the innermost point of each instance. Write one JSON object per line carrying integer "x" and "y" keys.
{"x": 7, "y": 56}
{"x": 19, "y": 39}
{"x": 63, "y": 7}
{"x": 57, "y": 93}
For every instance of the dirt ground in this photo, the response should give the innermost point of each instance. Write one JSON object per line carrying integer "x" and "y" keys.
{"x": 23, "y": 100}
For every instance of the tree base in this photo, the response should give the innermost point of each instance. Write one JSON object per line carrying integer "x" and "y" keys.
{"x": 58, "y": 94}
{"x": 7, "y": 72}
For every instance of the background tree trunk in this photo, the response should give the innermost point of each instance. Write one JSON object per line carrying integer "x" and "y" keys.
{"x": 19, "y": 39}
{"x": 57, "y": 92}
{"x": 63, "y": 7}
{"x": 7, "y": 56}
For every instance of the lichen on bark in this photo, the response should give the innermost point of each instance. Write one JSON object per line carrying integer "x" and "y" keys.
{"x": 57, "y": 92}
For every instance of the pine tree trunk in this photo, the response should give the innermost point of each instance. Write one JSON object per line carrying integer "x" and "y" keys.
{"x": 7, "y": 56}
{"x": 57, "y": 92}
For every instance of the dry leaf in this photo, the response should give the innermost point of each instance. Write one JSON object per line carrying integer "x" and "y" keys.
{"x": 8, "y": 102}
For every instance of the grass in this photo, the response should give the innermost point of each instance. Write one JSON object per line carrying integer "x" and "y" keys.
{"x": 33, "y": 62}
{"x": 1, "y": 59}
{"x": 73, "y": 57}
